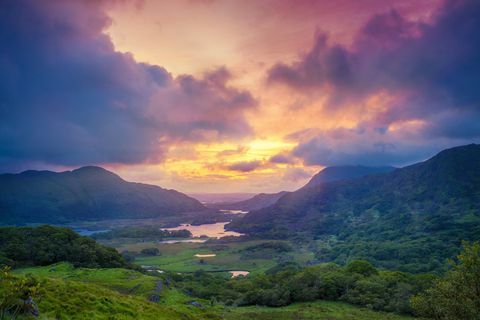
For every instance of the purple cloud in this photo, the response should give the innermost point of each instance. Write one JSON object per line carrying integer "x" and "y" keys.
{"x": 282, "y": 158}
{"x": 68, "y": 98}
{"x": 431, "y": 71}
{"x": 245, "y": 166}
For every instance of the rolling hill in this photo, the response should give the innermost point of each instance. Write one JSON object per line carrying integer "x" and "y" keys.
{"x": 405, "y": 215}
{"x": 87, "y": 193}
{"x": 258, "y": 201}
{"x": 329, "y": 174}
{"x": 337, "y": 173}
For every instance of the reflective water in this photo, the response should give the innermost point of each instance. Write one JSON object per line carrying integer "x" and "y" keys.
{"x": 86, "y": 232}
{"x": 239, "y": 273}
{"x": 233, "y": 211}
{"x": 211, "y": 230}
{"x": 183, "y": 240}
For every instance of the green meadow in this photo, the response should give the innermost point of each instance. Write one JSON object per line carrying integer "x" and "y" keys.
{"x": 82, "y": 293}
{"x": 117, "y": 294}
{"x": 319, "y": 310}
{"x": 180, "y": 257}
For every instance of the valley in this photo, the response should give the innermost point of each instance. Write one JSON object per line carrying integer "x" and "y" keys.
{"x": 353, "y": 256}
{"x": 239, "y": 160}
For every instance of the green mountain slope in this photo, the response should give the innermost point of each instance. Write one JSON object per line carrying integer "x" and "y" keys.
{"x": 70, "y": 293}
{"x": 329, "y": 174}
{"x": 336, "y": 173}
{"x": 417, "y": 214}
{"x": 88, "y": 193}
{"x": 258, "y": 201}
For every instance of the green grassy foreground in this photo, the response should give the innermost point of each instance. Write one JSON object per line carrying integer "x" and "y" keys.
{"x": 319, "y": 310}
{"x": 81, "y": 293}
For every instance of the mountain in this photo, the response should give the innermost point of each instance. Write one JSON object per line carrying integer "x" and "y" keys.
{"x": 335, "y": 173}
{"x": 258, "y": 201}
{"x": 212, "y": 198}
{"x": 406, "y": 215}
{"x": 88, "y": 193}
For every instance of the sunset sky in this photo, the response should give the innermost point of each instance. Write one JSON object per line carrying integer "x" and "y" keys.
{"x": 235, "y": 95}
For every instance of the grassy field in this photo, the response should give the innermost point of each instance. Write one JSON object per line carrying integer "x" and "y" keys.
{"x": 180, "y": 257}
{"x": 119, "y": 294}
{"x": 70, "y": 293}
{"x": 320, "y": 310}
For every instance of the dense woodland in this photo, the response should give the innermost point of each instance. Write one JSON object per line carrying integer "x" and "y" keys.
{"x": 453, "y": 295}
{"x": 44, "y": 245}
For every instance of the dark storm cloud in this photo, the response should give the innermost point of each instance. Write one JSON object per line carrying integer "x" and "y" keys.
{"x": 431, "y": 71}
{"x": 68, "y": 98}
{"x": 436, "y": 65}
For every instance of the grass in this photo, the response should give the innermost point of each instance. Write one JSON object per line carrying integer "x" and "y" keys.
{"x": 120, "y": 294}
{"x": 70, "y": 293}
{"x": 319, "y": 310}
{"x": 179, "y": 257}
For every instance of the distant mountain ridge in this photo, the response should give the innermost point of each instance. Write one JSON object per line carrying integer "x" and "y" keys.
{"x": 336, "y": 173}
{"x": 328, "y": 174}
{"x": 438, "y": 200}
{"x": 87, "y": 193}
{"x": 258, "y": 201}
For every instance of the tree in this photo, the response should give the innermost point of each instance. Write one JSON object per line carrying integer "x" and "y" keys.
{"x": 362, "y": 267}
{"x": 150, "y": 251}
{"x": 457, "y": 294}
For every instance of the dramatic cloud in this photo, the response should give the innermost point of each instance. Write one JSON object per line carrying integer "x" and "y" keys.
{"x": 282, "y": 158}
{"x": 363, "y": 147}
{"x": 429, "y": 71}
{"x": 245, "y": 166}
{"x": 68, "y": 98}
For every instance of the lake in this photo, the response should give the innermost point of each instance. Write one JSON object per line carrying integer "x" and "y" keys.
{"x": 233, "y": 211}
{"x": 87, "y": 233}
{"x": 211, "y": 230}
{"x": 238, "y": 273}
{"x": 183, "y": 240}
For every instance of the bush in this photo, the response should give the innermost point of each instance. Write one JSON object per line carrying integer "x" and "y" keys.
{"x": 150, "y": 252}
{"x": 16, "y": 295}
{"x": 457, "y": 294}
{"x": 362, "y": 267}
{"x": 44, "y": 245}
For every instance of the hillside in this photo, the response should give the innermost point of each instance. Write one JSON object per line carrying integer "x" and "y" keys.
{"x": 336, "y": 173}
{"x": 88, "y": 193}
{"x": 414, "y": 215}
{"x": 69, "y": 293}
{"x": 43, "y": 245}
{"x": 81, "y": 293}
{"x": 329, "y": 174}
{"x": 258, "y": 201}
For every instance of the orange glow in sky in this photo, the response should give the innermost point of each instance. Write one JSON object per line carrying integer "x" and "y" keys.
{"x": 248, "y": 38}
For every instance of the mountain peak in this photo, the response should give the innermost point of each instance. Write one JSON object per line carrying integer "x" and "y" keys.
{"x": 86, "y": 193}
{"x": 335, "y": 173}
{"x": 95, "y": 171}
{"x": 467, "y": 150}
{"x": 91, "y": 169}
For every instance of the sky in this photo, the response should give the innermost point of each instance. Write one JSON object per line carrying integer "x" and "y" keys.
{"x": 235, "y": 96}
